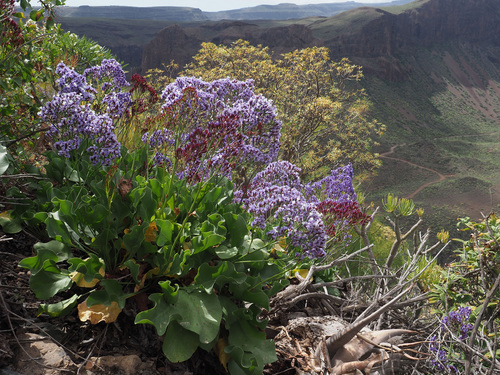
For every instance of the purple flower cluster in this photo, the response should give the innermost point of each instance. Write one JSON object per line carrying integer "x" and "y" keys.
{"x": 112, "y": 80}
{"x": 457, "y": 321}
{"x": 336, "y": 187}
{"x": 291, "y": 215}
{"x": 72, "y": 115}
{"x": 284, "y": 206}
{"x": 440, "y": 359}
{"x": 109, "y": 69}
{"x": 231, "y": 125}
{"x": 70, "y": 81}
{"x": 280, "y": 173}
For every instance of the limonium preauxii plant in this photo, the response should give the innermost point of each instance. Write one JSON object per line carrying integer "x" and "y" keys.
{"x": 220, "y": 127}
{"x": 283, "y": 206}
{"x": 72, "y": 116}
{"x": 456, "y": 322}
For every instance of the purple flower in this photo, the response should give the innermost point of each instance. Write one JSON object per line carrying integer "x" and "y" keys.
{"x": 458, "y": 322}
{"x": 281, "y": 173}
{"x": 278, "y": 200}
{"x": 336, "y": 187}
{"x": 110, "y": 69}
{"x": 73, "y": 120}
{"x": 225, "y": 121}
{"x": 283, "y": 210}
{"x": 71, "y": 81}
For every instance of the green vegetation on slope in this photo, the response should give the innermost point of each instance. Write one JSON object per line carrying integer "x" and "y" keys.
{"x": 446, "y": 115}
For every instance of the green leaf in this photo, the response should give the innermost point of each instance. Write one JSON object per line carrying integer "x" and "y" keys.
{"x": 225, "y": 252}
{"x": 237, "y": 227}
{"x": 48, "y": 254}
{"x": 179, "y": 344}
{"x": 112, "y": 292}
{"x": 9, "y": 225}
{"x": 25, "y": 4}
{"x": 4, "y": 159}
{"x": 36, "y": 15}
{"x": 62, "y": 250}
{"x": 135, "y": 238}
{"x": 92, "y": 213}
{"x": 62, "y": 308}
{"x": 195, "y": 311}
{"x": 166, "y": 229}
{"x": 58, "y": 230}
{"x": 50, "y": 23}
{"x": 200, "y": 313}
{"x": 48, "y": 282}
{"x": 159, "y": 316}
{"x": 148, "y": 204}
{"x": 219, "y": 275}
{"x": 206, "y": 240}
{"x": 134, "y": 268}
{"x": 248, "y": 345}
{"x": 90, "y": 268}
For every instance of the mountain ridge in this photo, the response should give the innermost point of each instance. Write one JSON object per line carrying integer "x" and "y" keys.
{"x": 281, "y": 11}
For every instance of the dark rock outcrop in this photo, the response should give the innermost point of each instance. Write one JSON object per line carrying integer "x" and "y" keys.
{"x": 374, "y": 37}
{"x": 180, "y": 44}
{"x": 172, "y": 43}
{"x": 380, "y": 41}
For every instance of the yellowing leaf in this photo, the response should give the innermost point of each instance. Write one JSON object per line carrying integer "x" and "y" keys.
{"x": 301, "y": 271}
{"x": 277, "y": 248}
{"x": 150, "y": 234}
{"x": 219, "y": 350}
{"x": 98, "y": 313}
{"x": 79, "y": 279}
{"x": 152, "y": 272}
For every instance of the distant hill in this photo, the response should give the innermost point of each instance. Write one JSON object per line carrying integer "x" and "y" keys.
{"x": 287, "y": 11}
{"x": 177, "y": 14}
{"x": 185, "y": 14}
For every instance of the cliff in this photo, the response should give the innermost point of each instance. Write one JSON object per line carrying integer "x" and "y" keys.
{"x": 387, "y": 35}
{"x": 373, "y": 37}
{"x": 180, "y": 44}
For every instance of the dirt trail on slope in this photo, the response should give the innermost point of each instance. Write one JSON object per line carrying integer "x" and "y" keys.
{"x": 441, "y": 177}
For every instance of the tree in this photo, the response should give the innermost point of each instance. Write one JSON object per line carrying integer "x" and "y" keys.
{"x": 325, "y": 115}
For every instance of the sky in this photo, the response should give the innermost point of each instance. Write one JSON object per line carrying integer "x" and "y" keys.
{"x": 205, "y": 5}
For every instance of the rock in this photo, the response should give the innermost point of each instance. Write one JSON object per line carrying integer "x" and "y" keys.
{"x": 39, "y": 355}
{"x": 119, "y": 365}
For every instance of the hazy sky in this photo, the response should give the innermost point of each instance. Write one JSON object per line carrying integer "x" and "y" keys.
{"x": 206, "y": 5}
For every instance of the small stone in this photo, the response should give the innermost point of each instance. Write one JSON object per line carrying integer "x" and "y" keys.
{"x": 39, "y": 355}
{"x": 127, "y": 364}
